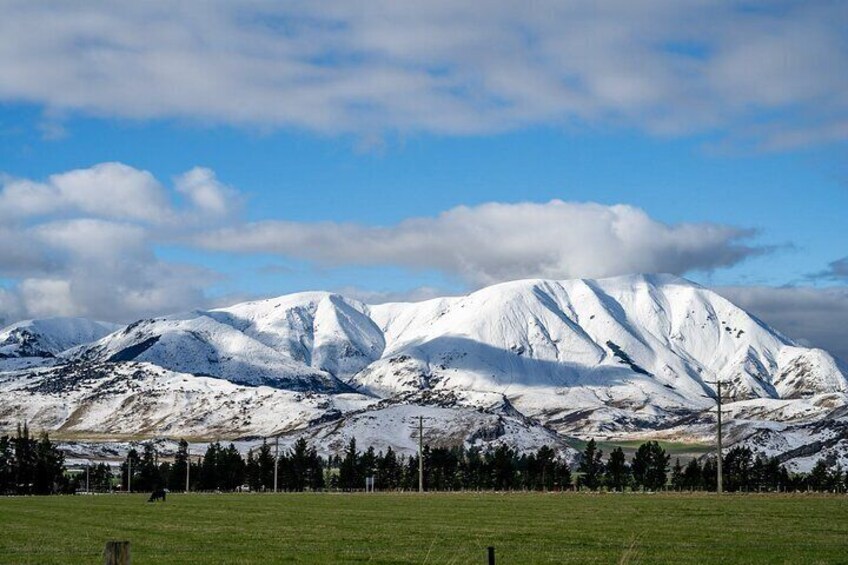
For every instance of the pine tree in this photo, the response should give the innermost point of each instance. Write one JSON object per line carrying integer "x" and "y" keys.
{"x": 502, "y": 464}
{"x": 678, "y": 483}
{"x": 130, "y": 465}
{"x": 388, "y": 471}
{"x": 819, "y": 477}
{"x": 209, "y": 468}
{"x": 709, "y": 471}
{"x": 591, "y": 466}
{"x": 546, "y": 464}
{"x": 251, "y": 472}
{"x": 101, "y": 478}
{"x": 26, "y": 461}
{"x": 148, "y": 471}
{"x": 265, "y": 467}
{"x": 50, "y": 468}
{"x": 737, "y": 469}
{"x": 177, "y": 472}
{"x": 367, "y": 466}
{"x": 7, "y": 466}
{"x": 617, "y": 475}
{"x": 349, "y": 469}
{"x": 232, "y": 469}
{"x": 649, "y": 467}
{"x": 692, "y": 478}
{"x": 315, "y": 470}
{"x": 563, "y": 479}
{"x": 298, "y": 466}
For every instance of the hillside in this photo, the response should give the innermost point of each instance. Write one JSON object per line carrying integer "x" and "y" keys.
{"x": 634, "y": 356}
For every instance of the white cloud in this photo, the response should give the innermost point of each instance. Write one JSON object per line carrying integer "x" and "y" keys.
{"x": 95, "y": 240}
{"x": 43, "y": 298}
{"x": 112, "y": 190}
{"x": 83, "y": 242}
{"x": 116, "y": 191}
{"x": 64, "y": 252}
{"x": 764, "y": 72}
{"x": 108, "y": 190}
{"x": 815, "y": 316}
{"x": 20, "y": 253}
{"x": 206, "y": 192}
{"x": 22, "y": 198}
{"x": 496, "y": 242}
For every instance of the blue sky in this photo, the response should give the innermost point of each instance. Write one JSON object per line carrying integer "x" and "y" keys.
{"x": 401, "y": 151}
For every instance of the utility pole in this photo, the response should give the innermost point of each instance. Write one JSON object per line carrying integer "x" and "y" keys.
{"x": 276, "y": 460}
{"x": 129, "y": 473}
{"x": 87, "y": 484}
{"x": 719, "y": 486}
{"x": 188, "y": 468}
{"x": 420, "y": 453}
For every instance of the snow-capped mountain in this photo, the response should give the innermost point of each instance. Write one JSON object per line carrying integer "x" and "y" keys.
{"x": 307, "y": 341}
{"x": 37, "y": 342}
{"x": 619, "y": 357}
{"x": 640, "y": 349}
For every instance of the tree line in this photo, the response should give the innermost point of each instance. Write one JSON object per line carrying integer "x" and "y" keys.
{"x": 36, "y": 466}
{"x": 31, "y": 466}
{"x": 223, "y": 469}
{"x": 462, "y": 468}
{"x": 742, "y": 471}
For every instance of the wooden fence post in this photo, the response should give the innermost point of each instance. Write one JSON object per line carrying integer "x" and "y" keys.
{"x": 116, "y": 553}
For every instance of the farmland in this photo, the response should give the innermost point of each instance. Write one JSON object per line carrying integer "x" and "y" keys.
{"x": 430, "y": 528}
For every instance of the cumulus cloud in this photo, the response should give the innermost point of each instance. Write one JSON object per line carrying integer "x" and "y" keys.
{"x": 117, "y": 191}
{"x": 65, "y": 252}
{"x": 772, "y": 73}
{"x": 111, "y": 190}
{"x": 20, "y": 254}
{"x": 814, "y": 316}
{"x": 496, "y": 242}
{"x": 43, "y": 298}
{"x": 206, "y": 193}
{"x": 83, "y": 242}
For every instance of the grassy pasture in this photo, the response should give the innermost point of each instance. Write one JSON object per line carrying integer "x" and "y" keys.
{"x": 433, "y": 528}
{"x": 684, "y": 450}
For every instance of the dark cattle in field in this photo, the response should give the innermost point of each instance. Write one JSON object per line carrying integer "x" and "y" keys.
{"x": 158, "y": 495}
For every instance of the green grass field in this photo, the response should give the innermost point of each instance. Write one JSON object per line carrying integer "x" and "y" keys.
{"x": 685, "y": 451}
{"x": 433, "y": 528}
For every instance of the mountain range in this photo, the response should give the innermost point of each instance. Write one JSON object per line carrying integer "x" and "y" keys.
{"x": 526, "y": 363}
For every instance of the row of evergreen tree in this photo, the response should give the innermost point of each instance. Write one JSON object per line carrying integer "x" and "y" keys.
{"x": 36, "y": 466}
{"x": 742, "y": 471}
{"x": 460, "y": 468}
{"x": 31, "y": 466}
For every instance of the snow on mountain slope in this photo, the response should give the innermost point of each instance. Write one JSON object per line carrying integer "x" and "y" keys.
{"x": 806, "y": 372}
{"x": 613, "y": 357}
{"x": 37, "y": 342}
{"x": 297, "y": 342}
{"x": 321, "y": 330}
{"x": 640, "y": 349}
{"x": 50, "y": 336}
{"x": 396, "y": 426}
{"x": 142, "y": 399}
